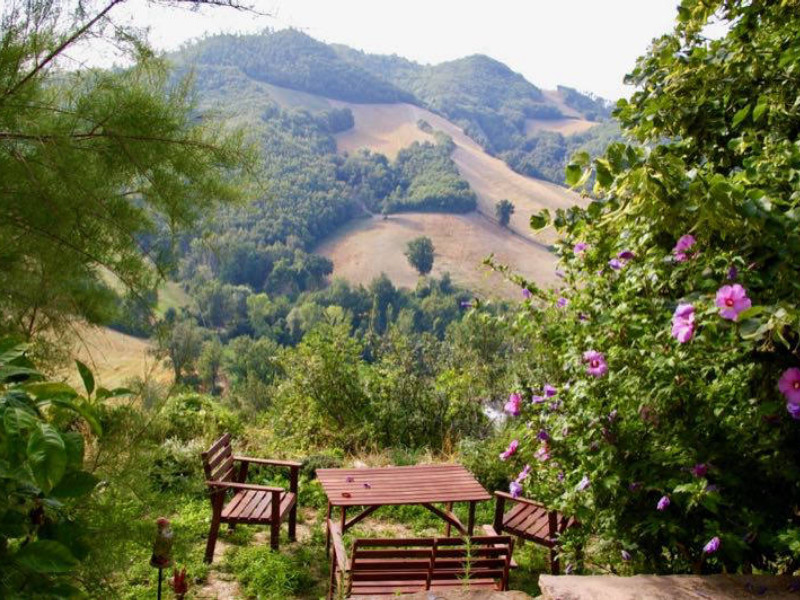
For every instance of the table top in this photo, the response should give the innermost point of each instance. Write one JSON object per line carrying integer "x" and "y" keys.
{"x": 384, "y": 486}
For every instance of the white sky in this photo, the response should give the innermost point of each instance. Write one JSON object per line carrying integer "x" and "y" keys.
{"x": 587, "y": 44}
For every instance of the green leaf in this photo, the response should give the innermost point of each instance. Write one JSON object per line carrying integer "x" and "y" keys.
{"x": 74, "y": 446}
{"x": 105, "y": 394}
{"x": 74, "y": 485}
{"x": 49, "y": 391}
{"x": 11, "y": 371}
{"x": 573, "y": 175}
{"x": 16, "y": 420}
{"x": 86, "y": 376}
{"x": 84, "y": 410}
{"x": 604, "y": 176}
{"x": 740, "y": 116}
{"x": 46, "y": 556}
{"x": 11, "y": 349}
{"x": 759, "y": 111}
{"x": 47, "y": 456}
{"x": 540, "y": 220}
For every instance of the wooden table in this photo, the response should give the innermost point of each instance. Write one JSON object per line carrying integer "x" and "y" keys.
{"x": 426, "y": 485}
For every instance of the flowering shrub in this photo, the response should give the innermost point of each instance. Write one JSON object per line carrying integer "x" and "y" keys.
{"x": 673, "y": 435}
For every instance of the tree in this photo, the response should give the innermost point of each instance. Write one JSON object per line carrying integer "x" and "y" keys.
{"x": 503, "y": 210}
{"x": 209, "y": 363}
{"x": 92, "y": 161}
{"x": 420, "y": 254}
{"x": 182, "y": 343}
{"x": 680, "y": 340}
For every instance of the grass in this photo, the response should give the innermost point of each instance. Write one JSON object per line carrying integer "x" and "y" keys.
{"x": 365, "y": 248}
{"x": 171, "y": 295}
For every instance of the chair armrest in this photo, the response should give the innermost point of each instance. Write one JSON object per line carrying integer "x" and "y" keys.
{"x": 339, "y": 552}
{"x": 268, "y": 461}
{"x": 244, "y": 486}
{"x": 508, "y": 496}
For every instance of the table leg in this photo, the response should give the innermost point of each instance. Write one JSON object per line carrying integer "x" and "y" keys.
{"x": 471, "y": 520}
{"x": 343, "y": 522}
{"x": 328, "y": 531}
{"x": 447, "y": 527}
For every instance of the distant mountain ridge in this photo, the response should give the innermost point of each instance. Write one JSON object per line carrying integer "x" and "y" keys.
{"x": 490, "y": 101}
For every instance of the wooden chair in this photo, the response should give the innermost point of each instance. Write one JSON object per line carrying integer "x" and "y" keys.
{"x": 390, "y": 567}
{"x": 250, "y": 504}
{"x": 532, "y": 521}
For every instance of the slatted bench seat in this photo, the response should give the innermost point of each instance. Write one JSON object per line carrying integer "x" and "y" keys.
{"x": 250, "y": 504}
{"x": 409, "y": 565}
{"x": 532, "y": 521}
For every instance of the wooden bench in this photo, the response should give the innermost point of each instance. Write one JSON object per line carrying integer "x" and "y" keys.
{"x": 532, "y": 521}
{"x": 405, "y": 566}
{"x": 250, "y": 504}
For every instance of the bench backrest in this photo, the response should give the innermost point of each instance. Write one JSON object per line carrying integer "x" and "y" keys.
{"x": 218, "y": 460}
{"x": 478, "y": 557}
{"x": 427, "y": 561}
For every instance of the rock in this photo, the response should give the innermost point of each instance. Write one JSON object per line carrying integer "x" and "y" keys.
{"x": 671, "y": 587}
{"x": 455, "y": 595}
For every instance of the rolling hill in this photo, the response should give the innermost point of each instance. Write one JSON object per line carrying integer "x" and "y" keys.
{"x": 478, "y": 102}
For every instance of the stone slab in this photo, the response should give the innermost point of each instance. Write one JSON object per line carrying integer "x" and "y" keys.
{"x": 672, "y": 587}
{"x": 454, "y": 595}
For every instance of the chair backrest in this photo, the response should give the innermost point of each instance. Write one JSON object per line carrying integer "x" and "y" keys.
{"x": 426, "y": 561}
{"x": 218, "y": 460}
{"x": 478, "y": 557}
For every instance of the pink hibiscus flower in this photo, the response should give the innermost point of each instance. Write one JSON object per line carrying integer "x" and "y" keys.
{"x": 512, "y": 407}
{"x": 684, "y": 243}
{"x": 683, "y": 323}
{"x": 732, "y": 300}
{"x": 509, "y": 452}
{"x": 789, "y": 385}
{"x": 597, "y": 366}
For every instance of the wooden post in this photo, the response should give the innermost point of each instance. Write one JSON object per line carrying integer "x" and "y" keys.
{"x": 471, "y": 519}
{"x": 293, "y": 488}
{"x": 275, "y": 522}
{"x": 241, "y": 477}
{"x": 328, "y": 530}
{"x": 552, "y": 518}
{"x": 447, "y": 523}
{"x": 217, "y": 498}
{"x": 499, "y": 509}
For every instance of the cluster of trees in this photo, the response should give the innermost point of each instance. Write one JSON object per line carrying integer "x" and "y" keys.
{"x": 290, "y": 58}
{"x": 545, "y": 154}
{"x": 592, "y": 108}
{"x": 422, "y": 178}
{"x": 223, "y": 315}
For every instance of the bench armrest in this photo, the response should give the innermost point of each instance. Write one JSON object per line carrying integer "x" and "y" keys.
{"x": 244, "y": 486}
{"x": 339, "y": 553}
{"x": 269, "y": 461}
{"x": 491, "y": 532}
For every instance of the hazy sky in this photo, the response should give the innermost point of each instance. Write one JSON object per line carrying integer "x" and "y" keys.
{"x": 587, "y": 44}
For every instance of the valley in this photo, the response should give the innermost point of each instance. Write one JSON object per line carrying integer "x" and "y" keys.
{"x": 365, "y": 248}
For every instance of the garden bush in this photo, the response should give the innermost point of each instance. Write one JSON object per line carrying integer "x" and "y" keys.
{"x": 190, "y": 415}
{"x": 662, "y": 409}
